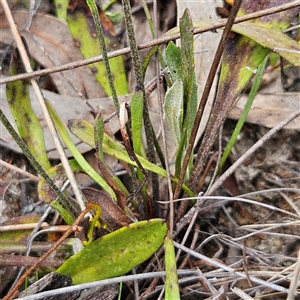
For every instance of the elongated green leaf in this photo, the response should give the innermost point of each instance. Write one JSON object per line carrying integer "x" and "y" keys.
{"x": 181, "y": 110}
{"x": 171, "y": 287}
{"x": 116, "y": 253}
{"x": 187, "y": 53}
{"x": 27, "y": 122}
{"x": 75, "y": 152}
{"x": 173, "y": 107}
{"x": 137, "y": 106}
{"x": 242, "y": 118}
{"x": 272, "y": 39}
{"x": 173, "y": 61}
{"x": 85, "y": 131}
{"x": 83, "y": 29}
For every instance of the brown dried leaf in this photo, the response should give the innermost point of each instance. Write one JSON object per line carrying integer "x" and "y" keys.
{"x": 111, "y": 214}
{"x": 269, "y": 109}
{"x": 51, "y": 44}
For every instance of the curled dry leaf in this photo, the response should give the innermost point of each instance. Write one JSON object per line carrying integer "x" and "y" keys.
{"x": 51, "y": 44}
{"x": 111, "y": 214}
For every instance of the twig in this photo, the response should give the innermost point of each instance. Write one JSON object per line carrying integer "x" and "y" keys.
{"x": 110, "y": 281}
{"x": 166, "y": 38}
{"x": 231, "y": 270}
{"x": 250, "y": 151}
{"x": 295, "y": 280}
{"x": 19, "y": 170}
{"x": 41, "y": 100}
{"x": 71, "y": 229}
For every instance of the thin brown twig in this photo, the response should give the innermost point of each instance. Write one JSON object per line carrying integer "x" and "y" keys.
{"x": 164, "y": 39}
{"x": 41, "y": 100}
{"x": 250, "y": 151}
{"x": 19, "y": 170}
{"x": 71, "y": 229}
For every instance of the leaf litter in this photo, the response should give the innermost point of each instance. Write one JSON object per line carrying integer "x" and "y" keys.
{"x": 226, "y": 230}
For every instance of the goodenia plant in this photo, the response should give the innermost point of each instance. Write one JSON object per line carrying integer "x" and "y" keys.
{"x": 181, "y": 99}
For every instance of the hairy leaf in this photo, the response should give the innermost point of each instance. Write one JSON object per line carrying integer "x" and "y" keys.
{"x": 173, "y": 107}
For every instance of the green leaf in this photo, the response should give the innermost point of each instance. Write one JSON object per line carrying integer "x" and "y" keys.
{"x": 187, "y": 53}
{"x": 61, "y": 9}
{"x": 116, "y": 253}
{"x": 85, "y": 131}
{"x": 82, "y": 27}
{"x": 75, "y": 152}
{"x": 183, "y": 107}
{"x": 136, "y": 108}
{"x": 173, "y": 61}
{"x": 272, "y": 39}
{"x": 242, "y": 119}
{"x": 171, "y": 286}
{"x": 173, "y": 107}
{"x": 27, "y": 122}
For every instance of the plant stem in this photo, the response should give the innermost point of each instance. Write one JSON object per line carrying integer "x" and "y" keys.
{"x": 93, "y": 7}
{"x": 140, "y": 84}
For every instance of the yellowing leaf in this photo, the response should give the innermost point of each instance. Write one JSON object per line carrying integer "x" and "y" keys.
{"x": 28, "y": 124}
{"x": 272, "y": 39}
{"x": 83, "y": 29}
{"x": 116, "y": 253}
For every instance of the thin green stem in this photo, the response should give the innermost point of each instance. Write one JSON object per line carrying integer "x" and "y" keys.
{"x": 94, "y": 10}
{"x": 140, "y": 84}
{"x": 242, "y": 119}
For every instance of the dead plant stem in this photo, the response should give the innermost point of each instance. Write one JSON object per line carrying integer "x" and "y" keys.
{"x": 231, "y": 270}
{"x": 250, "y": 151}
{"x": 19, "y": 170}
